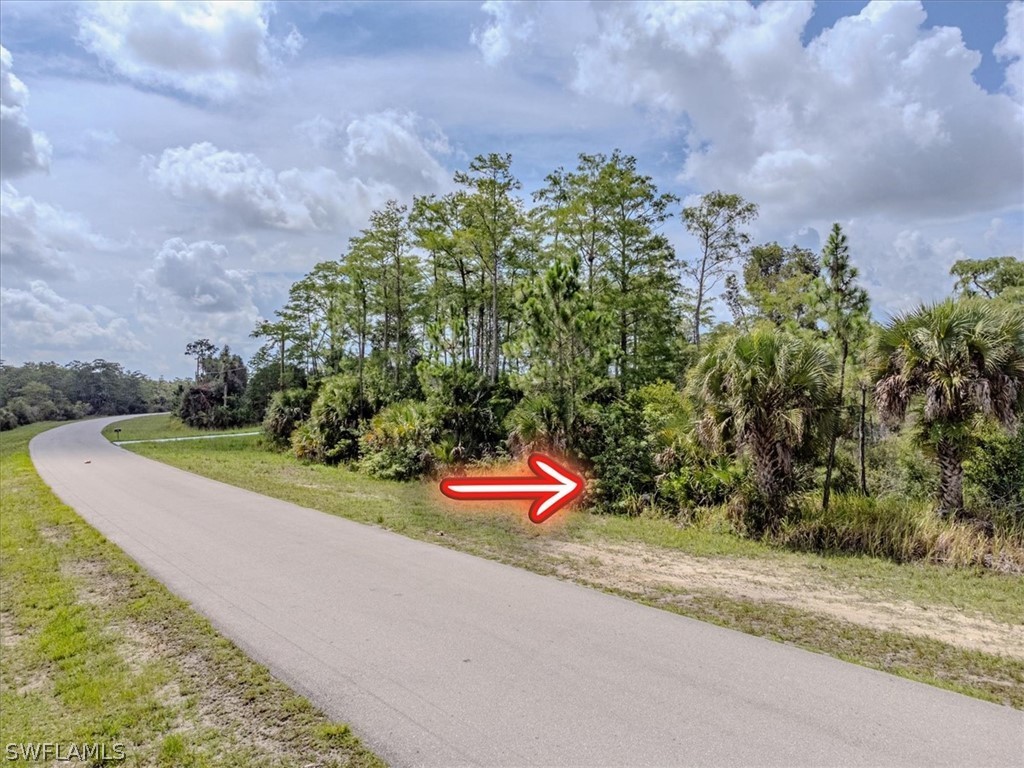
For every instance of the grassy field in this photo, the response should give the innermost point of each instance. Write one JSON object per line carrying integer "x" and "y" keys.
{"x": 159, "y": 426}
{"x": 96, "y": 652}
{"x": 955, "y": 628}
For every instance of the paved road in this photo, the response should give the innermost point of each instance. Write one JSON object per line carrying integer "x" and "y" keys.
{"x": 440, "y": 658}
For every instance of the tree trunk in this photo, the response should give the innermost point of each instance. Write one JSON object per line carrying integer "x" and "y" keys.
{"x": 863, "y": 440}
{"x": 399, "y": 321}
{"x": 496, "y": 324}
{"x": 772, "y": 474}
{"x": 281, "y": 382}
{"x": 363, "y": 320}
{"x": 701, "y": 277}
{"x": 951, "y": 479}
{"x": 827, "y": 493}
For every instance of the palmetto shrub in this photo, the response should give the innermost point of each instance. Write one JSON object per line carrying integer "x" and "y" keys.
{"x": 398, "y": 442}
{"x": 287, "y": 409}
{"x": 765, "y": 395}
{"x": 331, "y": 433}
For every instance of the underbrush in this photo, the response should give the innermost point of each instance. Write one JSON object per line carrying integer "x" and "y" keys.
{"x": 900, "y": 531}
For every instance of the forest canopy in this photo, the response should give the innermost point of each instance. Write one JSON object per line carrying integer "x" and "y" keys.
{"x": 53, "y": 392}
{"x": 475, "y": 326}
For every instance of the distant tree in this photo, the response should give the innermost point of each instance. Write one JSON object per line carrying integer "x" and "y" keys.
{"x": 217, "y": 400}
{"x": 566, "y": 346}
{"x": 717, "y": 222}
{"x": 202, "y": 350}
{"x": 493, "y": 231}
{"x": 966, "y": 360}
{"x": 736, "y": 302}
{"x": 992, "y": 278}
{"x": 607, "y": 215}
{"x": 844, "y": 311}
{"x": 779, "y": 284}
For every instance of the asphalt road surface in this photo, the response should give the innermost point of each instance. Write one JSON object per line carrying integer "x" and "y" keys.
{"x": 440, "y": 658}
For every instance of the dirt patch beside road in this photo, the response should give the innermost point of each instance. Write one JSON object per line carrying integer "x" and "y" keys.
{"x": 639, "y": 568}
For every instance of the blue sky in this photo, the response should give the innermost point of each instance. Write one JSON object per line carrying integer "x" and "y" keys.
{"x": 169, "y": 169}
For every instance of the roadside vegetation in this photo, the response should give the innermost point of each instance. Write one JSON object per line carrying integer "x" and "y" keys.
{"x": 961, "y": 628}
{"x": 469, "y": 329}
{"x": 51, "y": 392}
{"x": 96, "y": 652}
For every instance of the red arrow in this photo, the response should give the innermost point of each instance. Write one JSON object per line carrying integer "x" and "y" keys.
{"x": 552, "y": 486}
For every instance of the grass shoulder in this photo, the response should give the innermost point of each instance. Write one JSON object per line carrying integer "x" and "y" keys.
{"x": 159, "y": 426}
{"x": 961, "y": 628}
{"x": 95, "y": 651}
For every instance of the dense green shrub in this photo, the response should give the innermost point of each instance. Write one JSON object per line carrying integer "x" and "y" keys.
{"x": 466, "y": 407}
{"x": 702, "y": 481}
{"x": 397, "y": 445}
{"x": 331, "y": 433}
{"x": 284, "y": 413}
{"x": 535, "y": 424}
{"x": 202, "y": 406}
{"x": 622, "y": 459}
{"x": 994, "y": 474}
{"x": 7, "y": 419}
{"x": 264, "y": 384}
{"x": 197, "y": 406}
{"x": 897, "y": 468}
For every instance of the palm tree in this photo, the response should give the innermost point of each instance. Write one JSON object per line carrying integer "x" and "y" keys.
{"x": 966, "y": 360}
{"x": 766, "y": 393}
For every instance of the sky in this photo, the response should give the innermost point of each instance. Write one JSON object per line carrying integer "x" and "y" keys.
{"x": 168, "y": 170}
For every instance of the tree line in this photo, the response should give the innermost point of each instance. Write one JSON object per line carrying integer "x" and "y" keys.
{"x": 471, "y": 326}
{"x": 52, "y": 392}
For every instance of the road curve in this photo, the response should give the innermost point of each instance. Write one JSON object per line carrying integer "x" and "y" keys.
{"x": 440, "y": 658}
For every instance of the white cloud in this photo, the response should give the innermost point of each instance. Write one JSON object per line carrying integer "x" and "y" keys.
{"x": 875, "y": 115}
{"x": 382, "y": 155}
{"x": 41, "y": 240}
{"x": 397, "y": 148}
{"x": 510, "y": 23}
{"x": 190, "y": 287}
{"x": 909, "y": 266}
{"x": 195, "y": 275}
{"x": 244, "y": 188}
{"x": 21, "y": 149}
{"x": 1011, "y": 49}
{"x": 44, "y": 323}
{"x": 213, "y": 50}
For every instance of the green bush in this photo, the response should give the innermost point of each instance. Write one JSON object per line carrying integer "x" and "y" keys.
{"x": 702, "y": 481}
{"x": 331, "y": 433}
{"x": 466, "y": 407}
{"x": 535, "y": 424}
{"x": 994, "y": 478}
{"x": 621, "y": 445}
{"x": 197, "y": 406}
{"x": 7, "y": 419}
{"x": 286, "y": 410}
{"x": 398, "y": 443}
{"x": 898, "y": 469}
{"x": 264, "y": 384}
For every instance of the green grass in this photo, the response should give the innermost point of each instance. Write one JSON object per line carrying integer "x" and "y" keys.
{"x": 157, "y": 426}
{"x": 95, "y": 651}
{"x": 417, "y": 510}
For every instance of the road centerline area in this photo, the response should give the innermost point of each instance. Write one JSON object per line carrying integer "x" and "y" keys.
{"x": 437, "y": 657}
